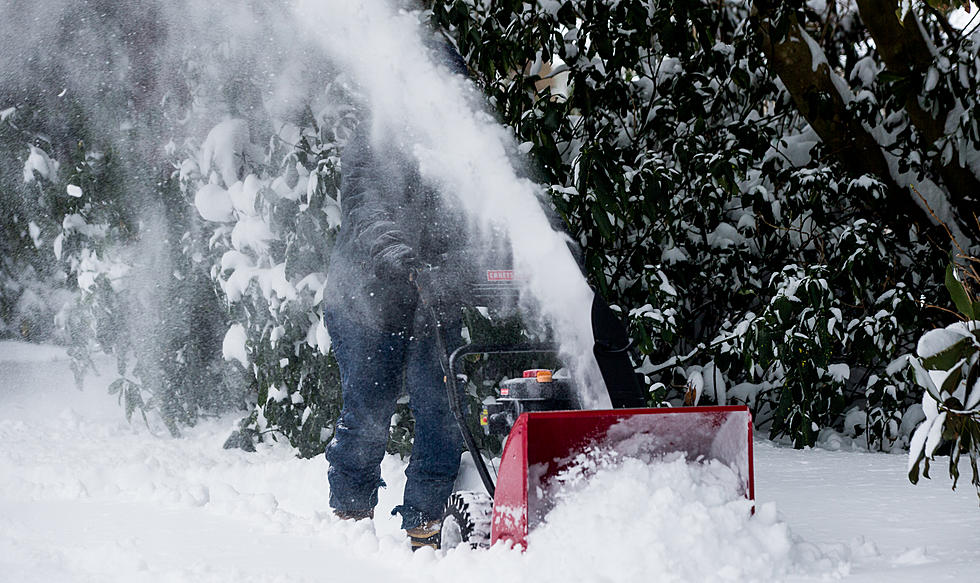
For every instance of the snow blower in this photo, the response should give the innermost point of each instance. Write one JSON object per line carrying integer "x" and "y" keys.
{"x": 539, "y": 419}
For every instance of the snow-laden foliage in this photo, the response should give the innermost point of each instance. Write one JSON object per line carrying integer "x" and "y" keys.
{"x": 32, "y": 288}
{"x": 97, "y": 162}
{"x": 947, "y": 366}
{"x": 274, "y": 213}
{"x": 123, "y": 242}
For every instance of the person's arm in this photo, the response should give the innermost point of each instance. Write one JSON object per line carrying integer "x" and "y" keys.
{"x": 371, "y": 224}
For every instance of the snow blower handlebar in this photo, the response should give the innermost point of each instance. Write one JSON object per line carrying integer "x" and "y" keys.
{"x": 423, "y": 280}
{"x": 455, "y": 400}
{"x": 611, "y": 349}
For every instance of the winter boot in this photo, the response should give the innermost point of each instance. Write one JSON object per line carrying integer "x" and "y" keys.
{"x": 425, "y": 535}
{"x": 355, "y": 515}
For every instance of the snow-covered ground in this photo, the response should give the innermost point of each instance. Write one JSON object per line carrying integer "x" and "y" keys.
{"x": 86, "y": 496}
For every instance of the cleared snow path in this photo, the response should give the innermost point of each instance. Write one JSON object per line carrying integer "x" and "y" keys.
{"x": 86, "y": 496}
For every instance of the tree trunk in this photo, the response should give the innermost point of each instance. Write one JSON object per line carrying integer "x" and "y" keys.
{"x": 822, "y": 105}
{"x": 906, "y": 53}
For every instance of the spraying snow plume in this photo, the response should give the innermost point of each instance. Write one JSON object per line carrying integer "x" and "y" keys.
{"x": 212, "y": 96}
{"x": 463, "y": 150}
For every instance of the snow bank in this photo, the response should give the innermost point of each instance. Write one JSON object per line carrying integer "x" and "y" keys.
{"x": 85, "y": 496}
{"x": 656, "y": 518}
{"x": 673, "y": 521}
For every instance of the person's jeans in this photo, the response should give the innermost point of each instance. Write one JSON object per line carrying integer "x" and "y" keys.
{"x": 373, "y": 366}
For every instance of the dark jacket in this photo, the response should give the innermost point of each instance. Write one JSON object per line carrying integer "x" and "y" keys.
{"x": 383, "y": 199}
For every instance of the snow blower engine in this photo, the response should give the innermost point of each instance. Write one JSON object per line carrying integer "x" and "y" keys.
{"x": 537, "y": 390}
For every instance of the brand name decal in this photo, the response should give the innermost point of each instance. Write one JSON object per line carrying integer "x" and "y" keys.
{"x": 500, "y": 275}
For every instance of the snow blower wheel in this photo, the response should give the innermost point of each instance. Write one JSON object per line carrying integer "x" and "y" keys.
{"x": 467, "y": 520}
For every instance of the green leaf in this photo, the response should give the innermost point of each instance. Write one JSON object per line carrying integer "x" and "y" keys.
{"x": 923, "y": 379}
{"x": 958, "y": 292}
{"x": 952, "y": 381}
{"x": 974, "y": 450}
{"x": 889, "y": 77}
{"x": 740, "y": 77}
{"x": 602, "y": 221}
{"x": 116, "y": 386}
{"x": 954, "y": 463}
{"x": 914, "y": 471}
{"x": 130, "y": 406}
{"x": 947, "y": 359}
{"x": 971, "y": 380}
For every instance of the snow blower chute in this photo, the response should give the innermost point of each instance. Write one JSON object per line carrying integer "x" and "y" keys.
{"x": 544, "y": 428}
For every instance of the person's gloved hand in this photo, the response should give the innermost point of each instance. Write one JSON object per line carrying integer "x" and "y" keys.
{"x": 440, "y": 289}
{"x": 393, "y": 258}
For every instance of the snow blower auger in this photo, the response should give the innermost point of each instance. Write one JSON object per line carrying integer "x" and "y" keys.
{"x": 544, "y": 429}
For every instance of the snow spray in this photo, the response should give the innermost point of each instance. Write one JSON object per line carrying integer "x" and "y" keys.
{"x": 114, "y": 77}
{"x": 458, "y": 145}
{"x": 464, "y": 151}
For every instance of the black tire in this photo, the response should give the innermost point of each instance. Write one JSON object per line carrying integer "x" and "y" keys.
{"x": 466, "y": 520}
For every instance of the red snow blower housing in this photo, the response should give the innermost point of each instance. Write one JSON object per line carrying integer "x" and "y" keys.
{"x": 544, "y": 429}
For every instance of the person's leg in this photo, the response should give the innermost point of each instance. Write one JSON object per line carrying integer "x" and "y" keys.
{"x": 371, "y": 365}
{"x": 438, "y": 442}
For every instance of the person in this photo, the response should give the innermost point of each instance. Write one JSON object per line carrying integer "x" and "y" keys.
{"x": 392, "y": 223}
